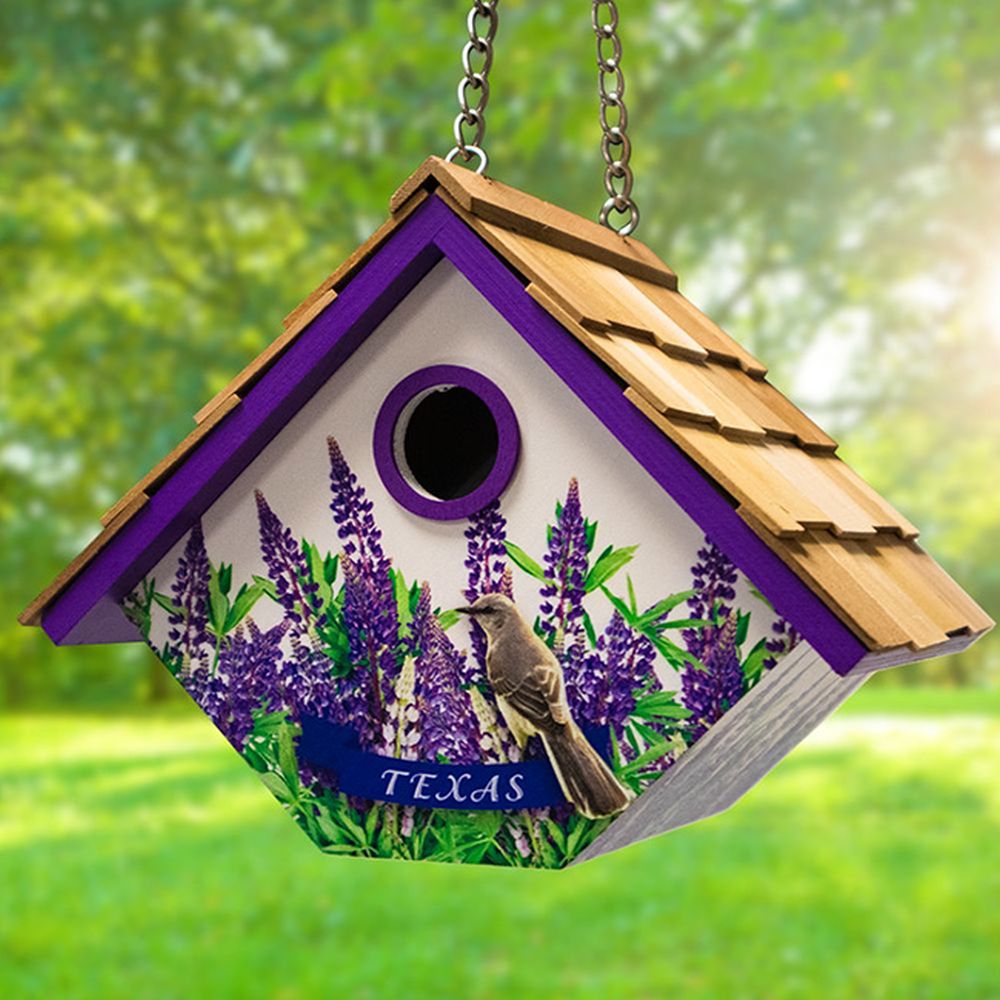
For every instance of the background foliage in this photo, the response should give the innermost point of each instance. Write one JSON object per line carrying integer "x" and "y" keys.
{"x": 176, "y": 174}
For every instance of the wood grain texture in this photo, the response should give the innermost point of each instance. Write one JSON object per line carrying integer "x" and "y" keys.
{"x": 32, "y": 614}
{"x": 689, "y": 378}
{"x": 807, "y": 433}
{"x": 240, "y": 384}
{"x": 719, "y": 344}
{"x": 886, "y": 589}
{"x": 152, "y": 480}
{"x": 596, "y": 295}
{"x": 736, "y": 752}
{"x": 901, "y": 656}
{"x": 518, "y": 212}
{"x": 337, "y": 278}
{"x": 742, "y": 472}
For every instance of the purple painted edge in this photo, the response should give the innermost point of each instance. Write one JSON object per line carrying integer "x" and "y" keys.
{"x": 601, "y": 392}
{"x": 394, "y": 269}
{"x": 431, "y": 232}
{"x": 508, "y": 442}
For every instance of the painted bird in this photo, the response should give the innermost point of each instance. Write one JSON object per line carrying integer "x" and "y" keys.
{"x": 527, "y": 680}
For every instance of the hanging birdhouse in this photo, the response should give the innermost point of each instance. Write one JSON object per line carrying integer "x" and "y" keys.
{"x": 503, "y": 552}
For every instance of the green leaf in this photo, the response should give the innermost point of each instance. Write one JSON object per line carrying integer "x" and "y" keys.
{"x": 225, "y": 577}
{"x": 590, "y": 533}
{"x": 655, "y": 752}
{"x": 742, "y": 627}
{"x": 753, "y": 665}
{"x": 620, "y": 606}
{"x": 218, "y": 603}
{"x": 448, "y": 619}
{"x": 402, "y": 594}
{"x": 631, "y": 597}
{"x": 609, "y": 563}
{"x": 277, "y": 787}
{"x": 242, "y": 605}
{"x": 168, "y": 604}
{"x": 670, "y": 651}
{"x": 556, "y": 833}
{"x": 682, "y": 623}
{"x": 582, "y": 827}
{"x": 664, "y": 607}
{"x": 521, "y": 559}
{"x": 267, "y": 586}
{"x": 660, "y": 705}
{"x": 287, "y": 760}
{"x": 317, "y": 571}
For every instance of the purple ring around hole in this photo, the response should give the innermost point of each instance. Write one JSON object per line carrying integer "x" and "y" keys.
{"x": 508, "y": 443}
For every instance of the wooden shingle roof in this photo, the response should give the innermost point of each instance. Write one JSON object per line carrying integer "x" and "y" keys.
{"x": 704, "y": 391}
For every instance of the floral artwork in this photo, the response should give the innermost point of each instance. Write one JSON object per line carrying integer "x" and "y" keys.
{"x": 365, "y": 650}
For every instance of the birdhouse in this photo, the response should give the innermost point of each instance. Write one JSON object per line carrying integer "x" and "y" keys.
{"x": 503, "y": 552}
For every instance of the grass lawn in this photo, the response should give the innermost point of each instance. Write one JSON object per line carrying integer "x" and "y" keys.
{"x": 139, "y": 857}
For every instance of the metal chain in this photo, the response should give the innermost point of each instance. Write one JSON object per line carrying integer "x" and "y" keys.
{"x": 615, "y": 146}
{"x": 474, "y": 116}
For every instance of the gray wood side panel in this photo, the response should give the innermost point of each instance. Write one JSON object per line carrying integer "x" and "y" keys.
{"x": 736, "y": 752}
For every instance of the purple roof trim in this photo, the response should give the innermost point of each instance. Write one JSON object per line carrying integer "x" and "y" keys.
{"x": 393, "y": 270}
{"x": 431, "y": 232}
{"x": 508, "y": 443}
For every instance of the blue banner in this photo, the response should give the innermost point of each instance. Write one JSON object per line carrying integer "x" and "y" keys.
{"x": 528, "y": 784}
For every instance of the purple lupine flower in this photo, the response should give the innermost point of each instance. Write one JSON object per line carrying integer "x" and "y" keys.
{"x": 247, "y": 678}
{"x": 288, "y": 569}
{"x": 364, "y": 694}
{"x": 565, "y": 575}
{"x": 714, "y": 583}
{"x": 784, "y": 638}
{"x": 711, "y": 692}
{"x": 629, "y": 656}
{"x": 489, "y": 573}
{"x": 586, "y": 677}
{"x": 449, "y": 725}
{"x": 370, "y": 615}
{"x": 601, "y": 687}
{"x": 309, "y": 686}
{"x": 401, "y": 730}
{"x": 188, "y": 636}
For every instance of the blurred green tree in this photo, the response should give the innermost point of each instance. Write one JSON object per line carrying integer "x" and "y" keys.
{"x": 176, "y": 174}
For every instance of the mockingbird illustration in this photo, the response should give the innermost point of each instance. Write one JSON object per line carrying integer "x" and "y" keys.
{"x": 527, "y": 680}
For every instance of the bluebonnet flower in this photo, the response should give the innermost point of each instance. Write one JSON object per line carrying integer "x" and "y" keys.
{"x": 370, "y": 615}
{"x": 565, "y": 564}
{"x": 188, "y": 638}
{"x": 288, "y": 569}
{"x": 489, "y": 573}
{"x": 711, "y": 692}
{"x": 714, "y": 583}
{"x": 449, "y": 726}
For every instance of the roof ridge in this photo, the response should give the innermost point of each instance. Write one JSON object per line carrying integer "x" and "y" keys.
{"x": 508, "y": 207}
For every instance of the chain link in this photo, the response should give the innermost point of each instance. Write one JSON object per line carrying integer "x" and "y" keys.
{"x": 615, "y": 146}
{"x": 469, "y": 144}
